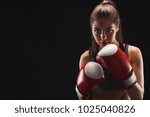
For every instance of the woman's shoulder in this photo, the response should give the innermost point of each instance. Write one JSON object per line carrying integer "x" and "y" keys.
{"x": 134, "y": 53}
{"x": 84, "y": 58}
{"x": 133, "y": 48}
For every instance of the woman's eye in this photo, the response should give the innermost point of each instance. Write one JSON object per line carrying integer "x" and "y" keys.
{"x": 109, "y": 30}
{"x": 96, "y": 31}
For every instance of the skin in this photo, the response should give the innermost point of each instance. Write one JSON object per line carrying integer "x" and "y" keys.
{"x": 104, "y": 32}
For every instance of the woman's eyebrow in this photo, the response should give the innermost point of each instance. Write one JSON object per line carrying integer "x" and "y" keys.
{"x": 110, "y": 27}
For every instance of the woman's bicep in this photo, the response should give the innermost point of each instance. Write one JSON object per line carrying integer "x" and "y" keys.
{"x": 137, "y": 65}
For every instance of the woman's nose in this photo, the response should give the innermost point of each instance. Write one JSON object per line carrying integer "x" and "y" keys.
{"x": 103, "y": 35}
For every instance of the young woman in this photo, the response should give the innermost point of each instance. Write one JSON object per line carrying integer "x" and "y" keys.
{"x": 106, "y": 29}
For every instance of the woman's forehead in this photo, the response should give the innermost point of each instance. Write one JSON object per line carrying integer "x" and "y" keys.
{"x": 103, "y": 23}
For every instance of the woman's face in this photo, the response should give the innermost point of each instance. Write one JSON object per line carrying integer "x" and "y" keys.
{"x": 104, "y": 32}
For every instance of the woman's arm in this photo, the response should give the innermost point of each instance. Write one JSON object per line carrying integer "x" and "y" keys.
{"x": 136, "y": 60}
{"x": 84, "y": 59}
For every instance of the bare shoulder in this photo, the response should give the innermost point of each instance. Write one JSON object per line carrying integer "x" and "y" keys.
{"x": 134, "y": 53}
{"x": 84, "y": 58}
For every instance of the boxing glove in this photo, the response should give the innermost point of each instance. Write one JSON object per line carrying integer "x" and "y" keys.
{"x": 89, "y": 75}
{"x": 117, "y": 64}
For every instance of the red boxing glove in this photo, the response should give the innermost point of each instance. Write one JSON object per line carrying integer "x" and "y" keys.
{"x": 90, "y": 74}
{"x": 117, "y": 64}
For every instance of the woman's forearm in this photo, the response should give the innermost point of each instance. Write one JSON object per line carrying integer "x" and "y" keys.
{"x": 136, "y": 92}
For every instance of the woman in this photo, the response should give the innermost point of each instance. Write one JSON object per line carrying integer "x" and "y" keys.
{"x": 106, "y": 29}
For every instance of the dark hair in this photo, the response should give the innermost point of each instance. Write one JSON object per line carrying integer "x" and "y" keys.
{"x": 105, "y": 10}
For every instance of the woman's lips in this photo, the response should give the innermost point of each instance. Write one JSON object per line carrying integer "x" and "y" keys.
{"x": 103, "y": 43}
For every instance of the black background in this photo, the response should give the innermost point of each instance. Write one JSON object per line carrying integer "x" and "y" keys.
{"x": 43, "y": 42}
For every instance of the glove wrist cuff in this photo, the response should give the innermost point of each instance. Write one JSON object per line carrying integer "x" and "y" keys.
{"x": 130, "y": 81}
